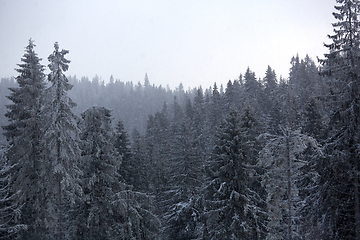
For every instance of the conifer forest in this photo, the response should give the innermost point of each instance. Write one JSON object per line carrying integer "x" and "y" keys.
{"x": 260, "y": 158}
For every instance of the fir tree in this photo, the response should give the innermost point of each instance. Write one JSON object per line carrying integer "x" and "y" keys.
{"x": 270, "y": 81}
{"x": 282, "y": 160}
{"x": 122, "y": 145}
{"x": 137, "y": 169}
{"x": 180, "y": 198}
{"x": 111, "y": 210}
{"x": 24, "y": 134}
{"x": 100, "y": 163}
{"x": 60, "y": 147}
{"x": 341, "y": 178}
{"x": 230, "y": 210}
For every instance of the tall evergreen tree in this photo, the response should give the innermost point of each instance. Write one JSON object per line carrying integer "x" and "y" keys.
{"x": 230, "y": 211}
{"x": 60, "y": 147}
{"x": 122, "y": 144}
{"x": 110, "y": 210}
{"x": 252, "y": 89}
{"x": 100, "y": 165}
{"x": 24, "y": 134}
{"x": 270, "y": 81}
{"x": 282, "y": 160}
{"x": 182, "y": 214}
{"x": 137, "y": 169}
{"x": 305, "y": 80}
{"x": 341, "y": 180}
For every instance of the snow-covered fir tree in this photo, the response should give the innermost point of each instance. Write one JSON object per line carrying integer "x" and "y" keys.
{"x": 24, "y": 134}
{"x": 283, "y": 161}
{"x": 182, "y": 215}
{"x": 122, "y": 145}
{"x": 340, "y": 192}
{"x": 231, "y": 212}
{"x": 110, "y": 209}
{"x": 60, "y": 148}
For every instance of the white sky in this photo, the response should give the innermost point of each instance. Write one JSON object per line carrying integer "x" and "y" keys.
{"x": 196, "y": 42}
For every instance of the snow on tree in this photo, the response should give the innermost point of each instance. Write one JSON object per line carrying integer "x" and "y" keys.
{"x": 60, "y": 147}
{"x": 282, "y": 160}
{"x": 9, "y": 211}
{"x": 110, "y": 209}
{"x": 157, "y": 151}
{"x": 182, "y": 212}
{"x": 270, "y": 82}
{"x": 136, "y": 170}
{"x": 341, "y": 178}
{"x": 230, "y": 209}
{"x": 122, "y": 144}
{"x": 24, "y": 134}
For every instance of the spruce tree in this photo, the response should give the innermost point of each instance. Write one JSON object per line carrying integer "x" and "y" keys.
{"x": 60, "y": 148}
{"x": 231, "y": 212}
{"x": 283, "y": 162}
{"x": 136, "y": 170}
{"x": 341, "y": 178}
{"x": 110, "y": 209}
{"x": 100, "y": 163}
{"x": 122, "y": 145}
{"x": 182, "y": 212}
{"x": 24, "y": 134}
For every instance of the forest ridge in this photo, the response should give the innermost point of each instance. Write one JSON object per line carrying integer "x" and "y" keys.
{"x": 256, "y": 159}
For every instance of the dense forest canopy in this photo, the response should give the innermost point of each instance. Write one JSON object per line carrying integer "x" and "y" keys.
{"x": 259, "y": 158}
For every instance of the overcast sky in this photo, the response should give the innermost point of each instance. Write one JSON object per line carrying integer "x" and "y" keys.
{"x": 196, "y": 42}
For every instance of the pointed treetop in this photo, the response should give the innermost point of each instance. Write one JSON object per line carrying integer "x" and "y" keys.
{"x": 57, "y": 59}
{"x": 146, "y": 81}
{"x": 31, "y": 44}
{"x": 56, "y": 46}
{"x": 344, "y": 50}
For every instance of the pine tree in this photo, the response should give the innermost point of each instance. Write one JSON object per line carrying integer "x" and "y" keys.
{"x": 341, "y": 178}
{"x": 100, "y": 165}
{"x": 313, "y": 123}
{"x": 137, "y": 169}
{"x": 60, "y": 147}
{"x": 110, "y": 210}
{"x": 24, "y": 134}
{"x": 157, "y": 152}
{"x": 215, "y": 109}
{"x": 231, "y": 212}
{"x": 270, "y": 81}
{"x": 252, "y": 88}
{"x": 282, "y": 160}
{"x": 182, "y": 215}
{"x": 269, "y": 101}
{"x": 305, "y": 80}
{"x": 122, "y": 145}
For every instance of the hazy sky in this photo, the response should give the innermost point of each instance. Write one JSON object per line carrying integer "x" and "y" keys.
{"x": 196, "y": 42}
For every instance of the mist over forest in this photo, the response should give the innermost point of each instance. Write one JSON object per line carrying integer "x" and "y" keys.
{"x": 262, "y": 157}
